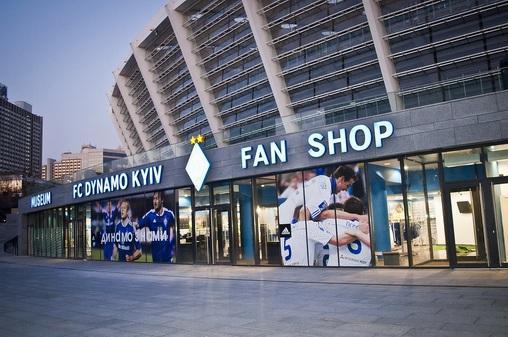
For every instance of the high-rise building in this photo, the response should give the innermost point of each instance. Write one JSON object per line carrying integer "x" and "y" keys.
{"x": 90, "y": 157}
{"x": 3, "y": 91}
{"x": 20, "y": 139}
{"x": 236, "y": 70}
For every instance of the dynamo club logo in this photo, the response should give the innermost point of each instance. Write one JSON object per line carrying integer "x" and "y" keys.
{"x": 198, "y": 165}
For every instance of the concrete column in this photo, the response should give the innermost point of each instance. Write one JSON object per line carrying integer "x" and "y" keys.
{"x": 382, "y": 46}
{"x": 272, "y": 67}
{"x": 121, "y": 127}
{"x": 192, "y": 61}
{"x": 157, "y": 98}
{"x": 121, "y": 81}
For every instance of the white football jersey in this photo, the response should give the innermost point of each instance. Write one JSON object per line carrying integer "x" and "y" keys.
{"x": 327, "y": 255}
{"x": 317, "y": 195}
{"x": 356, "y": 253}
{"x": 294, "y": 249}
{"x": 288, "y": 207}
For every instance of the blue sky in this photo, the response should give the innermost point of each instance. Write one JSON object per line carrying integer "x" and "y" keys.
{"x": 58, "y": 55}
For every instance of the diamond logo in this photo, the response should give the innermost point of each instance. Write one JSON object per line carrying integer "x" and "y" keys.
{"x": 197, "y": 167}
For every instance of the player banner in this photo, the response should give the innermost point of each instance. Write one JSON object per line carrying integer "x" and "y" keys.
{"x": 327, "y": 211}
{"x": 136, "y": 228}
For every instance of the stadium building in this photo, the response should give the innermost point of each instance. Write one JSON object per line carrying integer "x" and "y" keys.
{"x": 300, "y": 133}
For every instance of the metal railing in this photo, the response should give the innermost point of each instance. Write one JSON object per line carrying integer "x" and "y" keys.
{"x": 469, "y": 86}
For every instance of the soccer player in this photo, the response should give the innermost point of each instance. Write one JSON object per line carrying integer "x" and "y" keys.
{"x": 318, "y": 192}
{"x": 127, "y": 245}
{"x": 161, "y": 223}
{"x": 109, "y": 214}
{"x": 354, "y": 243}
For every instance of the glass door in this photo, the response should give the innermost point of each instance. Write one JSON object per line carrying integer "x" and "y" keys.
{"x": 221, "y": 239}
{"x": 501, "y": 210}
{"x": 468, "y": 243}
{"x": 79, "y": 231}
{"x": 203, "y": 246}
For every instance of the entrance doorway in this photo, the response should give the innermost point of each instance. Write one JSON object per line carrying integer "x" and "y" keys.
{"x": 467, "y": 239}
{"x": 221, "y": 232}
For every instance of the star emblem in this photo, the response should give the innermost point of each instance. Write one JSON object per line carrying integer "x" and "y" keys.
{"x": 200, "y": 139}
{"x": 193, "y": 140}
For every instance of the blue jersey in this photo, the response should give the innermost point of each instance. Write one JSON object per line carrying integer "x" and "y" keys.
{"x": 126, "y": 240}
{"x": 161, "y": 227}
{"x": 109, "y": 227}
{"x": 109, "y": 220}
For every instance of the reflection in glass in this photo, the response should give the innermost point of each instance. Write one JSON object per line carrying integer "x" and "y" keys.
{"x": 426, "y": 225}
{"x": 202, "y": 198}
{"x": 185, "y": 237}
{"x": 243, "y": 234}
{"x": 221, "y": 194}
{"x": 497, "y": 160}
{"x": 266, "y": 220}
{"x": 202, "y": 236}
{"x": 501, "y": 208}
{"x": 387, "y": 208}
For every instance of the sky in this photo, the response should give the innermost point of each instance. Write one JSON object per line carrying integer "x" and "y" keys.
{"x": 58, "y": 55}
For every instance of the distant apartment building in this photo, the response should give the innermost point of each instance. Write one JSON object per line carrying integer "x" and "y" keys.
{"x": 70, "y": 163}
{"x": 20, "y": 138}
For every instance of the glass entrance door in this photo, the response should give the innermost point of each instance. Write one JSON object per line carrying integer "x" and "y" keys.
{"x": 203, "y": 246}
{"x": 468, "y": 243}
{"x": 221, "y": 233}
{"x": 501, "y": 210}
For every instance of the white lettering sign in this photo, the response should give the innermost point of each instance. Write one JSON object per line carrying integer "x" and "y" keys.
{"x": 358, "y": 138}
{"x": 146, "y": 176}
{"x": 39, "y": 200}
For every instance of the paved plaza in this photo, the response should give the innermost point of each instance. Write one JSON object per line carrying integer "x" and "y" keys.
{"x": 51, "y": 297}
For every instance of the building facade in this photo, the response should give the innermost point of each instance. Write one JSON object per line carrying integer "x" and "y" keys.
{"x": 238, "y": 70}
{"x": 432, "y": 184}
{"x": 336, "y": 133}
{"x": 21, "y": 139}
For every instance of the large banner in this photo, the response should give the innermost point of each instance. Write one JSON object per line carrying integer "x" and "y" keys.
{"x": 138, "y": 228}
{"x": 325, "y": 212}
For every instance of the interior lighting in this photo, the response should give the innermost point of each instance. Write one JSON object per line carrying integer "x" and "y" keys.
{"x": 196, "y": 16}
{"x": 328, "y": 33}
{"x": 290, "y": 26}
{"x": 240, "y": 19}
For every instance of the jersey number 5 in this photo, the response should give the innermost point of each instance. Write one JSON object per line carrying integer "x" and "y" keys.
{"x": 287, "y": 248}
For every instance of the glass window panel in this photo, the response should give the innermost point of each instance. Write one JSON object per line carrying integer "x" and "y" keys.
{"x": 426, "y": 225}
{"x": 202, "y": 198}
{"x": 105, "y": 216}
{"x": 266, "y": 220}
{"x": 137, "y": 245}
{"x": 221, "y": 194}
{"x": 88, "y": 230}
{"x": 501, "y": 209}
{"x": 243, "y": 217}
{"x": 156, "y": 227}
{"x": 497, "y": 160}
{"x": 185, "y": 237}
{"x": 335, "y": 206}
{"x": 462, "y": 165}
{"x": 388, "y": 218}
{"x": 290, "y": 202}
{"x": 203, "y": 244}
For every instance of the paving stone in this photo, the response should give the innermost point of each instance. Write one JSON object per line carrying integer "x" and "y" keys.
{"x": 232, "y": 301}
